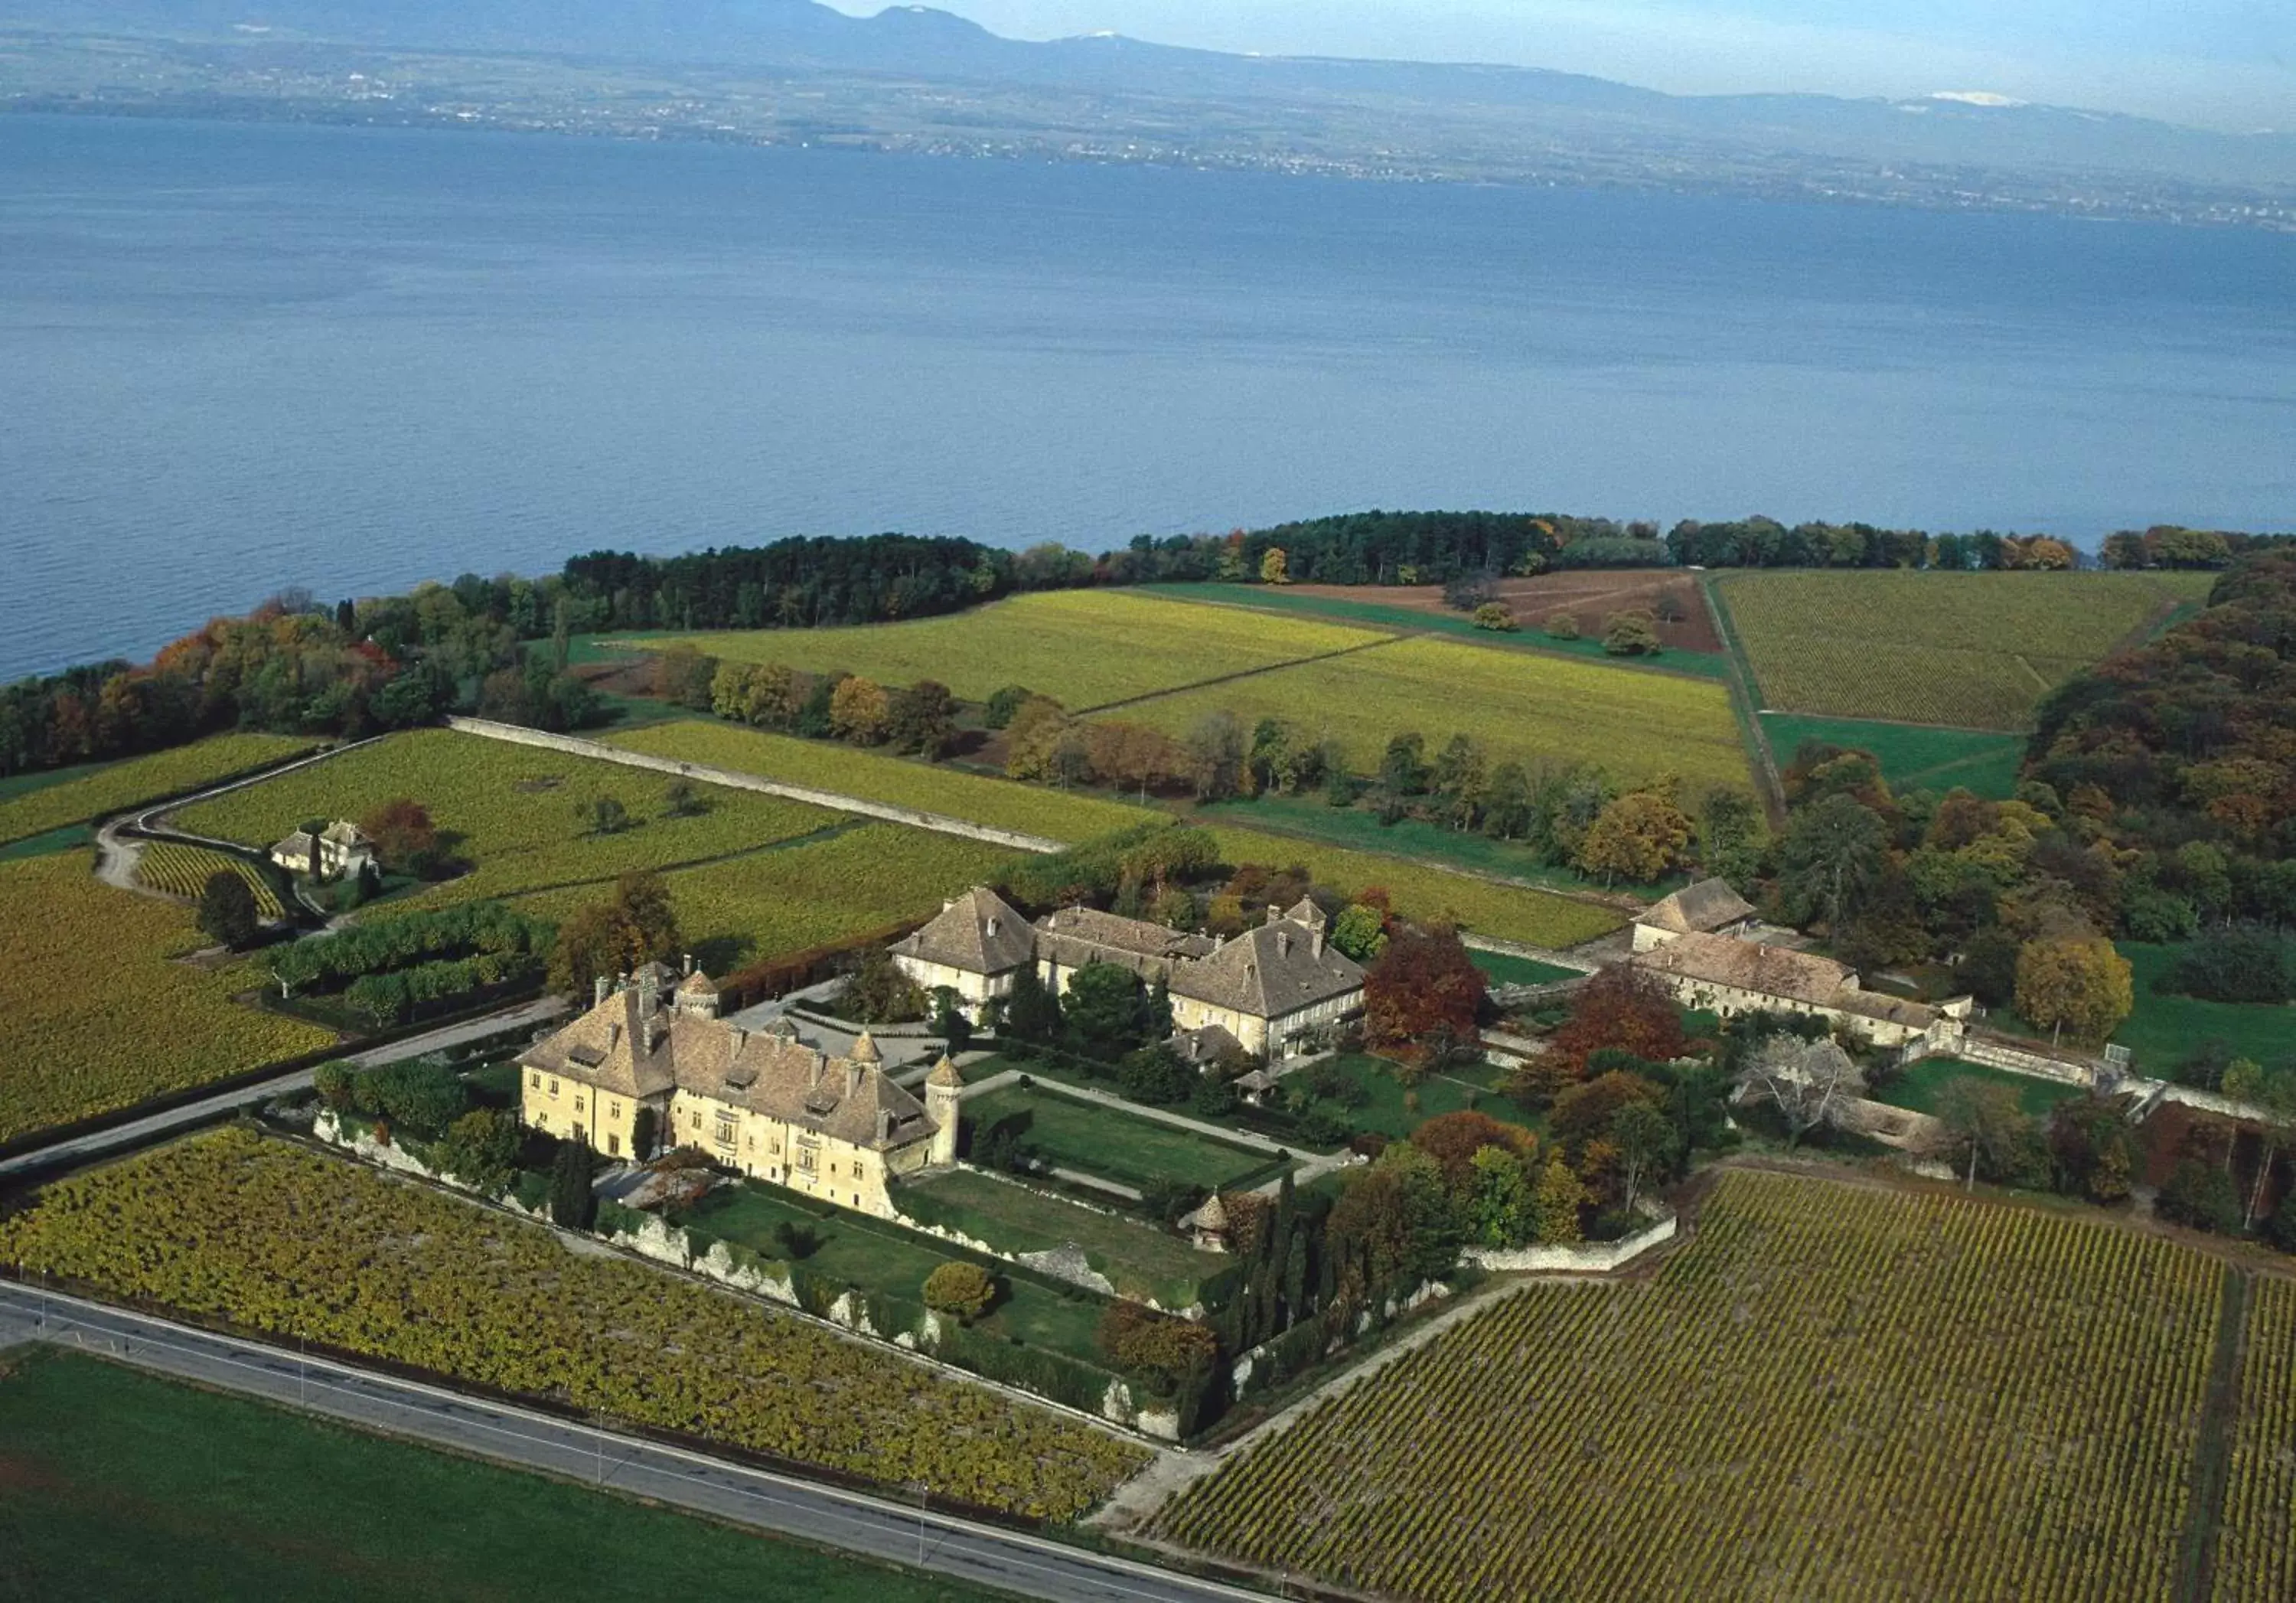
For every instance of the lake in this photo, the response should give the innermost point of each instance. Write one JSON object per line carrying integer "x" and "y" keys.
{"x": 234, "y": 357}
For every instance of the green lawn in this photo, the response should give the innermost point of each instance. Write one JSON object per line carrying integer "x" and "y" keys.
{"x": 1919, "y": 1085}
{"x": 122, "y": 1485}
{"x": 1501, "y": 969}
{"x": 1378, "y": 615}
{"x": 54, "y": 840}
{"x": 1913, "y": 756}
{"x": 1106, "y": 1141}
{"x": 877, "y": 1256}
{"x": 1358, "y": 828}
{"x": 2165, "y": 1030}
{"x": 1386, "y": 1110}
{"x": 1140, "y": 1260}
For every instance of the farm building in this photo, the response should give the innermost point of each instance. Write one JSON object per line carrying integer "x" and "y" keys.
{"x": 341, "y": 848}
{"x": 1707, "y": 908}
{"x": 975, "y": 947}
{"x": 1727, "y": 976}
{"x": 1263, "y": 989}
{"x": 764, "y": 1103}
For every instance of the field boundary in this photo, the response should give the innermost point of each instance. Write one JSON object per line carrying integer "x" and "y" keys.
{"x": 1746, "y": 704}
{"x": 1229, "y": 678}
{"x": 2213, "y": 1446}
{"x": 833, "y": 800}
{"x": 1515, "y": 640}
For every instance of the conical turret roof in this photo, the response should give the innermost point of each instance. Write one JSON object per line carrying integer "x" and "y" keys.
{"x": 945, "y": 1075}
{"x": 864, "y": 1049}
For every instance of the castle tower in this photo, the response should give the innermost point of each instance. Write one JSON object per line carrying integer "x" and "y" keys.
{"x": 943, "y": 1088}
{"x": 696, "y": 996}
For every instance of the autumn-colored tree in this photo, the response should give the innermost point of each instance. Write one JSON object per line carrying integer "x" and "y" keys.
{"x": 1044, "y": 744}
{"x": 1640, "y": 836}
{"x": 403, "y": 835}
{"x": 1496, "y": 615}
{"x": 860, "y": 711}
{"x": 1274, "y": 567}
{"x": 1647, "y": 1143}
{"x": 684, "y": 677}
{"x": 637, "y": 924}
{"x": 1618, "y": 1007}
{"x": 1630, "y": 634}
{"x": 960, "y": 1290}
{"x": 1167, "y": 1355}
{"x": 921, "y": 718}
{"x": 2077, "y": 985}
{"x": 1423, "y": 990}
{"x": 1584, "y": 1111}
{"x": 765, "y": 694}
{"x": 1556, "y": 1201}
{"x": 1453, "y": 1140}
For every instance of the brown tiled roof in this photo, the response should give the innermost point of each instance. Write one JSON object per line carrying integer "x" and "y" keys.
{"x": 1076, "y": 936}
{"x": 1268, "y": 972}
{"x": 771, "y": 1072}
{"x": 1708, "y": 905}
{"x": 1777, "y": 971}
{"x": 980, "y": 933}
{"x": 945, "y": 1075}
{"x": 697, "y": 984}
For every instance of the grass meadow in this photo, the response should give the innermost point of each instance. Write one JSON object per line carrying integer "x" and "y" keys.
{"x": 1912, "y": 757}
{"x": 122, "y": 1484}
{"x": 1084, "y": 648}
{"x": 1968, "y": 650}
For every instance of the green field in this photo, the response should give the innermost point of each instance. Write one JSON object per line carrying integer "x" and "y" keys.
{"x": 1501, "y": 969}
{"x": 875, "y": 1256}
{"x": 1504, "y": 912}
{"x": 100, "y": 1016}
{"x": 1313, "y": 819}
{"x": 508, "y": 810}
{"x": 2165, "y": 1030}
{"x": 1913, "y": 757}
{"x": 894, "y": 781}
{"x": 1070, "y": 1133}
{"x": 769, "y": 903}
{"x": 34, "y": 804}
{"x": 1082, "y": 648}
{"x": 122, "y": 1485}
{"x": 1140, "y": 1262}
{"x": 1522, "y": 708}
{"x": 1918, "y": 1085}
{"x": 1402, "y": 620}
{"x": 1395, "y": 1112}
{"x": 1969, "y": 650}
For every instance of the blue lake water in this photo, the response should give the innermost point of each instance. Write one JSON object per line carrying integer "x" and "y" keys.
{"x": 234, "y": 357}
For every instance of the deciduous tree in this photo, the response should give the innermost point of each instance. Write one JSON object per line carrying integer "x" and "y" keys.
{"x": 227, "y": 910}
{"x": 2077, "y": 985}
{"x": 637, "y": 924}
{"x": 403, "y": 835}
{"x": 1424, "y": 989}
{"x": 960, "y": 1290}
{"x": 860, "y": 711}
{"x": 1640, "y": 836}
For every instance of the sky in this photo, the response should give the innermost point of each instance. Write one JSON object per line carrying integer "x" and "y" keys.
{"x": 2216, "y": 63}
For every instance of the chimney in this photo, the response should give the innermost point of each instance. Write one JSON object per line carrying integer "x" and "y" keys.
{"x": 646, "y": 991}
{"x": 1283, "y": 944}
{"x": 852, "y": 1077}
{"x": 993, "y": 921}
{"x": 689, "y": 963}
{"x": 600, "y": 989}
{"x": 1316, "y": 941}
{"x": 819, "y": 1063}
{"x": 741, "y": 1038}
{"x": 884, "y": 1123}
{"x": 614, "y": 1037}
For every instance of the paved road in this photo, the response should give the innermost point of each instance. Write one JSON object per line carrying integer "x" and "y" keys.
{"x": 158, "y": 1127}
{"x": 1028, "y": 1566}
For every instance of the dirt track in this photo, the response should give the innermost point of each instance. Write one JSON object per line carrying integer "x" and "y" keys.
{"x": 1588, "y": 596}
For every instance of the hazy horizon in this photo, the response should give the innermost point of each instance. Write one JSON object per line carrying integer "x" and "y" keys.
{"x": 2226, "y": 64}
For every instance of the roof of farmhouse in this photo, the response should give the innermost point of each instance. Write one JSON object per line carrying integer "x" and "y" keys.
{"x": 1073, "y": 937}
{"x": 1269, "y": 971}
{"x": 633, "y": 1043}
{"x": 1710, "y": 904}
{"x": 1777, "y": 971}
{"x": 980, "y": 933}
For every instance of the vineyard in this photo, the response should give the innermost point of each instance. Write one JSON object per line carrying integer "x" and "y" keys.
{"x": 1830, "y": 1393}
{"x": 770, "y": 903}
{"x": 894, "y": 781}
{"x": 1504, "y": 912}
{"x": 121, "y": 784}
{"x": 1522, "y": 707}
{"x": 98, "y": 1016}
{"x": 509, "y": 810}
{"x": 1081, "y": 647}
{"x": 2256, "y": 1539}
{"x": 175, "y": 869}
{"x": 238, "y": 1227}
{"x": 1972, "y": 650}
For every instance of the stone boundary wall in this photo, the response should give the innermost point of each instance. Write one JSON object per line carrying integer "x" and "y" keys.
{"x": 1993, "y": 1053}
{"x": 1581, "y": 1258}
{"x": 1534, "y": 954}
{"x": 939, "y": 823}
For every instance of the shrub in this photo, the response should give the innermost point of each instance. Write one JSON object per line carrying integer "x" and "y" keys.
{"x": 1562, "y": 626}
{"x": 2200, "y": 1196}
{"x": 963, "y": 1291}
{"x": 1495, "y": 616}
{"x": 2243, "y": 963}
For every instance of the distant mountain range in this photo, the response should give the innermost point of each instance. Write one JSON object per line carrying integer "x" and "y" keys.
{"x": 1470, "y": 107}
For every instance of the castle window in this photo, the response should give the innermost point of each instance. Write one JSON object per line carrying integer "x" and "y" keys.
{"x": 534, "y": 1080}
{"x": 554, "y": 1086}
{"x": 578, "y": 1104}
{"x": 614, "y": 1145}
{"x": 614, "y": 1109}
{"x": 725, "y": 1129}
